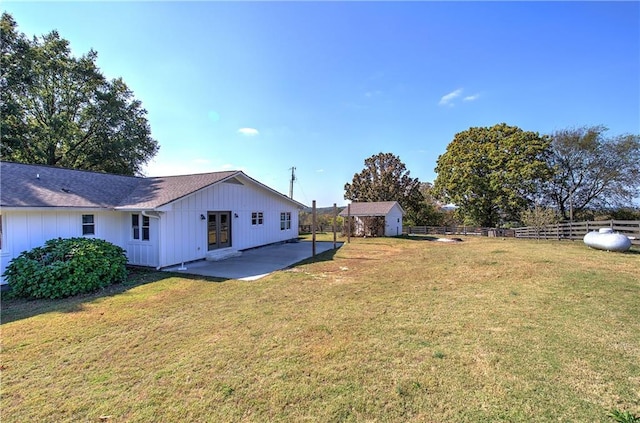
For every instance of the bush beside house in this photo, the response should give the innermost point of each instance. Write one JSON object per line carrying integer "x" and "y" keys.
{"x": 66, "y": 267}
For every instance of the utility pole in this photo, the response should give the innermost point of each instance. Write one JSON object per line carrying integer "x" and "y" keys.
{"x": 293, "y": 178}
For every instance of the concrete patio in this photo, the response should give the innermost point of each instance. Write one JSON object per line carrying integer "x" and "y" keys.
{"x": 257, "y": 262}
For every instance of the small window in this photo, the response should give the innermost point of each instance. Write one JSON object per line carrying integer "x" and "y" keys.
{"x": 140, "y": 227}
{"x": 257, "y": 218}
{"x": 0, "y": 232}
{"x": 88, "y": 225}
{"x": 285, "y": 221}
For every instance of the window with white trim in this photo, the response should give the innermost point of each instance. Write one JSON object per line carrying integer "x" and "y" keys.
{"x": 140, "y": 227}
{"x": 88, "y": 224}
{"x": 285, "y": 221}
{"x": 257, "y": 218}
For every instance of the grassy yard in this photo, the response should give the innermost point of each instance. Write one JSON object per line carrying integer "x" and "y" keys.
{"x": 383, "y": 330}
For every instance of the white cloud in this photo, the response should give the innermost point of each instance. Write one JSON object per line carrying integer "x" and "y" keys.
{"x": 319, "y": 170}
{"x": 447, "y": 99}
{"x": 249, "y": 132}
{"x": 471, "y": 97}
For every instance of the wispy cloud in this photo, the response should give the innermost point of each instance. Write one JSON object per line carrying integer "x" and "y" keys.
{"x": 319, "y": 170}
{"x": 249, "y": 132}
{"x": 471, "y": 97}
{"x": 447, "y": 99}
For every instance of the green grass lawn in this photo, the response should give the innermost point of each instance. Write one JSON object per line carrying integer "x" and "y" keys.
{"x": 383, "y": 330}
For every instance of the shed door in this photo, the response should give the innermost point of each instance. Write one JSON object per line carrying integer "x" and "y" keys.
{"x": 219, "y": 230}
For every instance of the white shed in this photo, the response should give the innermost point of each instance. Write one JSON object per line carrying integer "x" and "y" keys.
{"x": 365, "y": 215}
{"x": 159, "y": 221}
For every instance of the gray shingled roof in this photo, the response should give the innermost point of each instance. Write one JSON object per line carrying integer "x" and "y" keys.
{"x": 377, "y": 208}
{"x": 26, "y": 185}
{"x": 154, "y": 192}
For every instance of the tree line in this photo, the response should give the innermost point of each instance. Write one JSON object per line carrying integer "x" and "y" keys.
{"x": 503, "y": 175}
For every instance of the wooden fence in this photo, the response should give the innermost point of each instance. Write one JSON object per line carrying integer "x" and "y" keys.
{"x": 559, "y": 231}
{"x": 577, "y": 230}
{"x": 457, "y": 230}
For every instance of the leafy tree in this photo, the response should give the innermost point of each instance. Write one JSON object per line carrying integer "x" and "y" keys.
{"x": 538, "y": 217}
{"x": 60, "y": 110}
{"x": 385, "y": 178}
{"x": 428, "y": 212}
{"x": 593, "y": 171}
{"x": 492, "y": 174}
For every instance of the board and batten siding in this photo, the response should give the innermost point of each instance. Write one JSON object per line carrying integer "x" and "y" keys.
{"x": 141, "y": 252}
{"x": 27, "y": 229}
{"x": 184, "y": 233}
{"x": 393, "y": 222}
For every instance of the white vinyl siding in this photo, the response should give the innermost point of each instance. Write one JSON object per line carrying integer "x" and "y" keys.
{"x": 24, "y": 230}
{"x": 184, "y": 234}
{"x": 393, "y": 222}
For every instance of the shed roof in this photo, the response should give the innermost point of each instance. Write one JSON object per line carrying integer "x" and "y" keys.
{"x": 373, "y": 208}
{"x": 28, "y": 185}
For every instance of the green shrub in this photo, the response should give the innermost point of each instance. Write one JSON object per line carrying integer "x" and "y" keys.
{"x": 624, "y": 417}
{"x": 66, "y": 267}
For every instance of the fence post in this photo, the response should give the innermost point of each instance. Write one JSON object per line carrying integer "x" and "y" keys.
{"x": 333, "y": 227}
{"x": 571, "y": 230}
{"x": 349, "y": 223}
{"x": 313, "y": 228}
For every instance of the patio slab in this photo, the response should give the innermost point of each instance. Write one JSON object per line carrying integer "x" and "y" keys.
{"x": 257, "y": 262}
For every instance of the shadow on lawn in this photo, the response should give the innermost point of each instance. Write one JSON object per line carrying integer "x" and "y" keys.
{"x": 13, "y": 309}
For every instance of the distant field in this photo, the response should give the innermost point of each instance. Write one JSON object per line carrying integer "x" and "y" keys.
{"x": 383, "y": 330}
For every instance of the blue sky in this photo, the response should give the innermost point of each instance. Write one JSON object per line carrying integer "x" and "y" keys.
{"x": 264, "y": 86}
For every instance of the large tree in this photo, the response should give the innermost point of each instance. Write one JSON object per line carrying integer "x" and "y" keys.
{"x": 592, "y": 170}
{"x": 385, "y": 178}
{"x": 429, "y": 211}
{"x": 60, "y": 110}
{"x": 492, "y": 173}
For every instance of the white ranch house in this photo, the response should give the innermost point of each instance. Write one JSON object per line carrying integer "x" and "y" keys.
{"x": 389, "y": 210}
{"x": 159, "y": 221}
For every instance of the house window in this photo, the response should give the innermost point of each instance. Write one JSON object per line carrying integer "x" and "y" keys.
{"x": 257, "y": 218}
{"x": 140, "y": 227}
{"x": 0, "y": 232}
{"x": 88, "y": 225}
{"x": 285, "y": 221}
